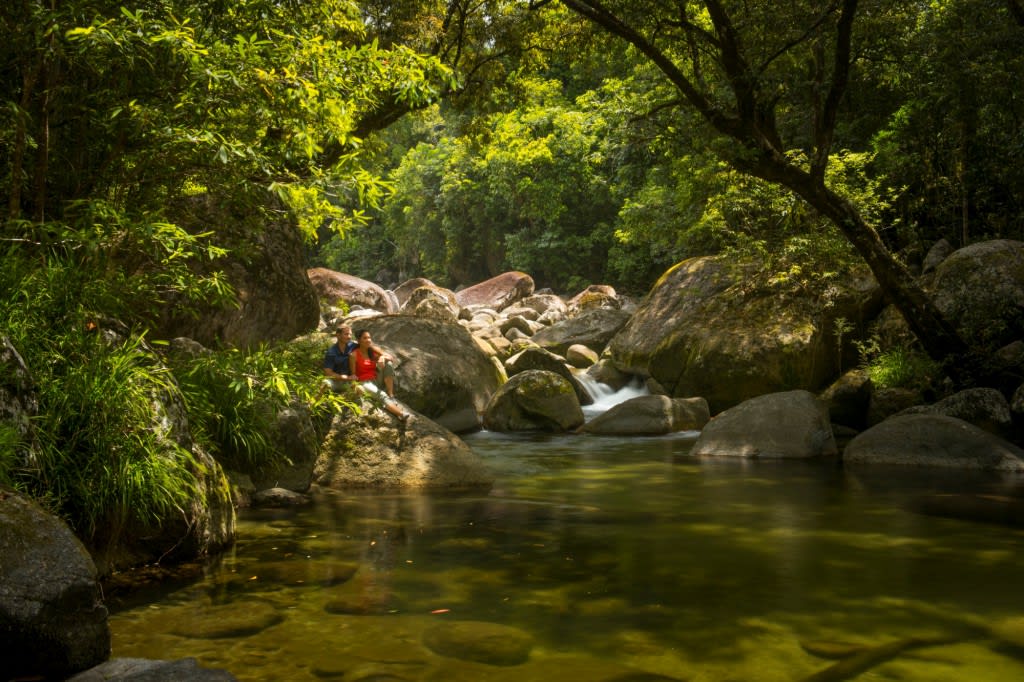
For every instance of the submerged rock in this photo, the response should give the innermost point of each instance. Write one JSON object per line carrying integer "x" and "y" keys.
{"x": 146, "y": 670}
{"x": 479, "y": 641}
{"x": 226, "y": 621}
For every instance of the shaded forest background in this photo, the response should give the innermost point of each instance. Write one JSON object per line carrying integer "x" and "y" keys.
{"x": 564, "y": 154}
{"x": 581, "y": 142}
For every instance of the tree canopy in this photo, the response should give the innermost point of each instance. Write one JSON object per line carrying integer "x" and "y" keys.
{"x": 583, "y": 141}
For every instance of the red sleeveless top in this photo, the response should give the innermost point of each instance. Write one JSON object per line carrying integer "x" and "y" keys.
{"x": 366, "y": 369}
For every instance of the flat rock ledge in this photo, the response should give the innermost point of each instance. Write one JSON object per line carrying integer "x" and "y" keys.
{"x": 376, "y": 450}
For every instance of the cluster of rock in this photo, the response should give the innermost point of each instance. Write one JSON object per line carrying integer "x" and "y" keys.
{"x": 755, "y": 367}
{"x": 711, "y": 339}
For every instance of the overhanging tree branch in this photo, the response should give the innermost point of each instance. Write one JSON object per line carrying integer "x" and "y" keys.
{"x": 752, "y": 125}
{"x": 826, "y": 119}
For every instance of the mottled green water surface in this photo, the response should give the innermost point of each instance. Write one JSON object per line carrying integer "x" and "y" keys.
{"x": 607, "y": 559}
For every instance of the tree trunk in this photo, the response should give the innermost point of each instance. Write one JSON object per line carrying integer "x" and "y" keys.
{"x": 748, "y": 119}
{"x": 938, "y": 337}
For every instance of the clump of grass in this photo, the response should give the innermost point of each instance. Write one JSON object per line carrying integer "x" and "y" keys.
{"x": 898, "y": 367}
{"x": 103, "y": 460}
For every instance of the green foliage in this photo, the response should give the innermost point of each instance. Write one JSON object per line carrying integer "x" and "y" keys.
{"x": 103, "y": 460}
{"x": 951, "y": 150}
{"x": 120, "y": 117}
{"x": 233, "y": 397}
{"x": 12, "y": 454}
{"x": 521, "y": 191}
{"x": 897, "y": 367}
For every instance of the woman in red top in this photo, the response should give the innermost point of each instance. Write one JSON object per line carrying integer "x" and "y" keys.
{"x": 364, "y": 364}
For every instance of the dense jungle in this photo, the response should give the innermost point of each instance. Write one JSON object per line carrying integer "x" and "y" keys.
{"x": 164, "y": 164}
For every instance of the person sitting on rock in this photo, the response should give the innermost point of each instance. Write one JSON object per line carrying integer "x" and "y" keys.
{"x": 375, "y": 372}
{"x": 336, "y": 365}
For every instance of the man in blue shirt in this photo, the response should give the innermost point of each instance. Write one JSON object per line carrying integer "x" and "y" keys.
{"x": 336, "y": 367}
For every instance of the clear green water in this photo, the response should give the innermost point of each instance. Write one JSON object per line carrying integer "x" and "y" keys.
{"x": 620, "y": 559}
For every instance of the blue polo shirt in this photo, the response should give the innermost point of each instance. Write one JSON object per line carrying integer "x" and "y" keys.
{"x": 336, "y": 359}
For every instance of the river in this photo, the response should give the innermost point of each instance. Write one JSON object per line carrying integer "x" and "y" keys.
{"x": 600, "y": 558}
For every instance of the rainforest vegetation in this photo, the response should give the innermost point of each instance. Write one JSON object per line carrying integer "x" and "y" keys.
{"x": 576, "y": 140}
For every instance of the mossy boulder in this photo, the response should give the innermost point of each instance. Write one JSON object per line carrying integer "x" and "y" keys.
{"x": 538, "y": 358}
{"x": 480, "y": 642}
{"x": 729, "y": 331}
{"x": 376, "y": 450}
{"x": 53, "y": 622}
{"x": 534, "y": 400}
{"x": 981, "y": 288}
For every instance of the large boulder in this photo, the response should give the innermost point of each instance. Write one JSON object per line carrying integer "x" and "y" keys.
{"x": 940, "y": 251}
{"x": 790, "y": 424}
{"x": 848, "y": 399}
{"x": 981, "y": 288}
{"x": 724, "y": 330}
{"x": 549, "y": 307}
{"x": 592, "y": 328}
{"x": 498, "y": 292}
{"x": 479, "y": 641}
{"x": 405, "y": 289}
{"x": 538, "y": 358}
{"x": 986, "y": 408}
{"x": 593, "y": 297}
{"x": 651, "y": 415}
{"x": 375, "y": 450}
{"x": 273, "y": 301}
{"x": 432, "y": 301}
{"x": 332, "y": 287}
{"x": 206, "y": 522}
{"x": 534, "y": 400}
{"x": 294, "y": 432}
{"x": 441, "y": 371}
{"x": 933, "y": 440}
{"x": 52, "y": 619}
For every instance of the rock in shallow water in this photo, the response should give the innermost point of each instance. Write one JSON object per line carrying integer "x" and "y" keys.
{"x": 479, "y": 641}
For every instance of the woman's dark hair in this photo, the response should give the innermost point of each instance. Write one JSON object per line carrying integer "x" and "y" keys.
{"x": 359, "y": 335}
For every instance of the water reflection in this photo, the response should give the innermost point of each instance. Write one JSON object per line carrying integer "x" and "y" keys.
{"x": 614, "y": 557}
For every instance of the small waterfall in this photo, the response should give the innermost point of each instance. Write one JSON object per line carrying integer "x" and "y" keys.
{"x": 605, "y": 397}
